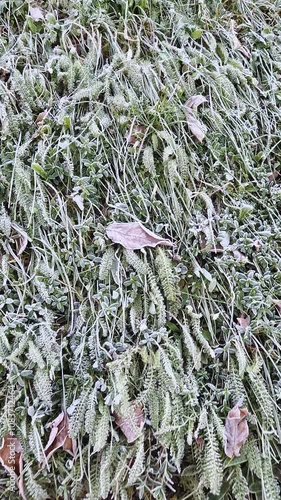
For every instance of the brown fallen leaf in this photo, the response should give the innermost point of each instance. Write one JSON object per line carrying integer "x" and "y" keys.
{"x": 132, "y": 425}
{"x": 273, "y": 176}
{"x": 133, "y": 236}
{"x": 12, "y": 461}
{"x": 243, "y": 321}
{"x": 135, "y": 134}
{"x": 256, "y": 245}
{"x": 278, "y": 305}
{"x": 42, "y": 116}
{"x": 59, "y": 437}
{"x": 197, "y": 128}
{"x": 200, "y": 443}
{"x": 236, "y": 44}
{"x": 36, "y": 13}
{"x": 236, "y": 431}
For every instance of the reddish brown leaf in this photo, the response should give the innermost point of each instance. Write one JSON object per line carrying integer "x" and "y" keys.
{"x": 135, "y": 135}
{"x": 133, "y": 236}
{"x": 243, "y": 321}
{"x": 197, "y": 128}
{"x": 59, "y": 437}
{"x": 274, "y": 175}
{"x": 131, "y": 425}
{"x": 200, "y": 442}
{"x": 236, "y": 431}
{"x": 11, "y": 459}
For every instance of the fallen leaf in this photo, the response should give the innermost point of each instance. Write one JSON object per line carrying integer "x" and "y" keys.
{"x": 236, "y": 431}
{"x": 11, "y": 459}
{"x": 243, "y": 321}
{"x": 200, "y": 442}
{"x": 135, "y": 134}
{"x": 278, "y": 305}
{"x": 256, "y": 245}
{"x": 132, "y": 425}
{"x": 42, "y": 116}
{"x": 36, "y": 13}
{"x": 274, "y": 175}
{"x": 240, "y": 256}
{"x": 194, "y": 101}
{"x": 133, "y": 236}
{"x": 197, "y": 128}
{"x": 21, "y": 238}
{"x": 79, "y": 201}
{"x": 59, "y": 437}
{"x": 236, "y": 44}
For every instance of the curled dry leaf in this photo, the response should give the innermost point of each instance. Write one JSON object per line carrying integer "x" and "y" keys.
{"x": 236, "y": 431}
{"x": 135, "y": 134}
{"x": 197, "y": 128}
{"x": 243, "y": 321}
{"x": 41, "y": 116}
{"x": 133, "y": 236}
{"x": 11, "y": 459}
{"x": 273, "y": 176}
{"x": 36, "y": 13}
{"x": 21, "y": 238}
{"x": 59, "y": 437}
{"x": 131, "y": 425}
{"x": 236, "y": 44}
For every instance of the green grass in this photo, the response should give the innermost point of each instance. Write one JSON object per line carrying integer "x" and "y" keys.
{"x": 89, "y": 326}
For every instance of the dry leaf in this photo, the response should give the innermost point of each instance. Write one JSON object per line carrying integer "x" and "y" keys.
{"x": 278, "y": 305}
{"x": 240, "y": 256}
{"x": 135, "y": 134}
{"x": 236, "y": 44}
{"x": 131, "y": 426}
{"x": 79, "y": 201}
{"x": 36, "y": 13}
{"x": 273, "y": 176}
{"x": 243, "y": 321}
{"x": 256, "y": 245}
{"x": 133, "y": 236}
{"x": 197, "y": 128}
{"x": 21, "y": 243}
{"x": 41, "y": 116}
{"x": 59, "y": 437}
{"x": 11, "y": 459}
{"x": 21, "y": 238}
{"x": 236, "y": 431}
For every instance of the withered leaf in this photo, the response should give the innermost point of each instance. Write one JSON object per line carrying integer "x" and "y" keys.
{"x": 243, "y": 321}
{"x": 11, "y": 459}
{"x": 273, "y": 176}
{"x": 59, "y": 437}
{"x": 135, "y": 134}
{"x": 21, "y": 238}
{"x": 36, "y": 13}
{"x": 236, "y": 431}
{"x": 236, "y": 44}
{"x": 131, "y": 425}
{"x": 133, "y": 236}
{"x": 197, "y": 128}
{"x": 278, "y": 305}
{"x": 42, "y": 116}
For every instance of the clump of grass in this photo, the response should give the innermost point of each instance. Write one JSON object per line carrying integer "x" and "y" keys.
{"x": 87, "y": 327}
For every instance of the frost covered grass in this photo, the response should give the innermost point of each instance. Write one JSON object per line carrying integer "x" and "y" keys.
{"x": 136, "y": 357}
